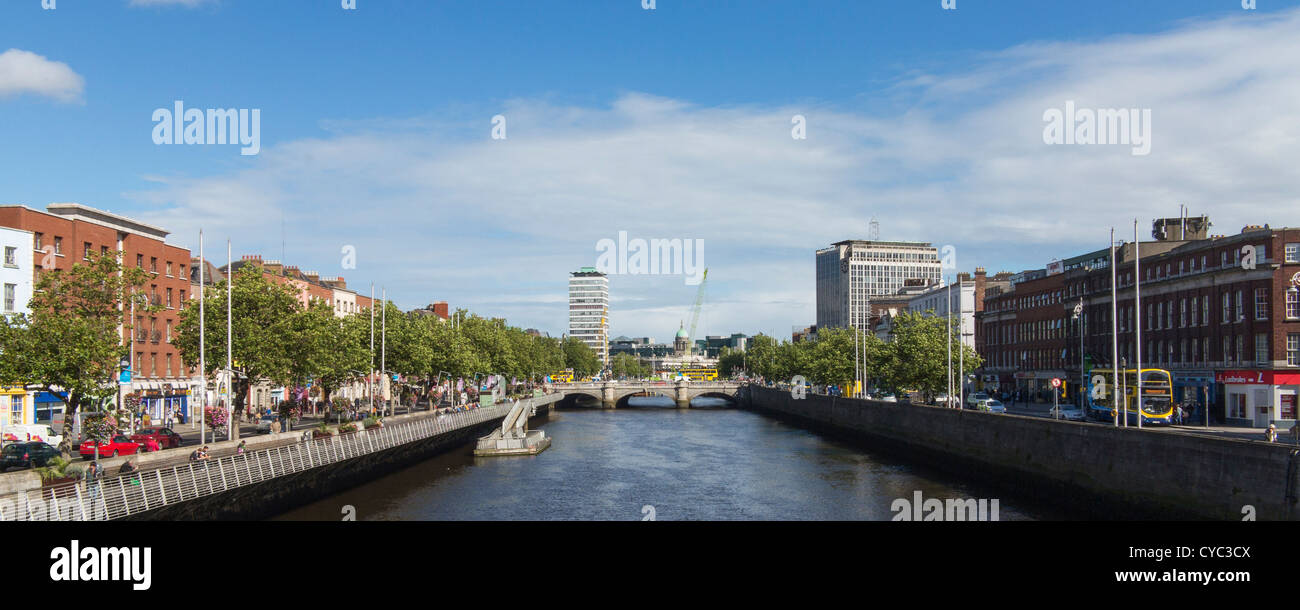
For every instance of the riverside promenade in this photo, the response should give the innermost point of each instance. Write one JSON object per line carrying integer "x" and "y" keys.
{"x": 164, "y": 488}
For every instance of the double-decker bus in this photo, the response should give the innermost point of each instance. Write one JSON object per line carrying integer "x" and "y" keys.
{"x": 565, "y": 376}
{"x": 696, "y": 373}
{"x": 1157, "y": 396}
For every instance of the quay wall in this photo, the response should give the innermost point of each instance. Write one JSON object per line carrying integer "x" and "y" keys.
{"x": 1095, "y": 471}
{"x": 282, "y": 494}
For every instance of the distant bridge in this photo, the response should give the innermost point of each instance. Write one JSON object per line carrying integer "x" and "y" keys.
{"x": 611, "y": 394}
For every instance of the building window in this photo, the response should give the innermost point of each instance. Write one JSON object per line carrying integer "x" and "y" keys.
{"x": 1205, "y": 349}
{"x": 1241, "y": 312}
{"x": 169, "y": 298}
{"x": 1227, "y": 350}
{"x": 1261, "y": 348}
{"x": 1293, "y": 303}
{"x": 169, "y": 268}
{"x": 169, "y": 331}
{"x": 1292, "y": 253}
{"x": 139, "y": 261}
{"x": 1240, "y": 354}
{"x": 1160, "y": 314}
{"x": 1182, "y": 350}
{"x": 40, "y": 241}
{"x": 1227, "y": 307}
{"x": 86, "y": 256}
{"x": 11, "y": 256}
{"x": 1182, "y": 313}
{"x": 1170, "y": 359}
{"x": 103, "y": 250}
{"x": 153, "y": 364}
{"x": 58, "y": 245}
{"x": 1194, "y": 300}
{"x": 1261, "y": 303}
{"x": 1293, "y": 349}
{"x": 1196, "y": 355}
{"x": 1223, "y": 258}
{"x": 153, "y": 264}
{"x": 169, "y": 365}
{"x": 1205, "y": 310}
{"x": 10, "y": 289}
{"x": 1169, "y": 322}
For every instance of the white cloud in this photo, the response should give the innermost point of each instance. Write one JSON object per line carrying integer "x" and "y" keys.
{"x": 26, "y": 72}
{"x": 437, "y": 215}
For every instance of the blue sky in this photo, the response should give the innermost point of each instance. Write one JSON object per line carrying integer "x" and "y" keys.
{"x": 665, "y": 123}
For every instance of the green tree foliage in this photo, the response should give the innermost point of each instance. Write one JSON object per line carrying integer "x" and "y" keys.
{"x": 629, "y": 366}
{"x": 266, "y": 325}
{"x": 916, "y": 357}
{"x": 730, "y": 362}
{"x": 70, "y": 344}
{"x": 580, "y": 357}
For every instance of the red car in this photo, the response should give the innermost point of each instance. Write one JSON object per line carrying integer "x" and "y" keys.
{"x": 165, "y": 437}
{"x": 120, "y": 445}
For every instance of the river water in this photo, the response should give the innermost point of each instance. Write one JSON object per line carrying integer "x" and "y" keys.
{"x": 652, "y": 460}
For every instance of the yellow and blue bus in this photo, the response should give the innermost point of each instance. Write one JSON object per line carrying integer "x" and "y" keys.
{"x": 565, "y": 376}
{"x": 695, "y": 373}
{"x": 1157, "y": 396}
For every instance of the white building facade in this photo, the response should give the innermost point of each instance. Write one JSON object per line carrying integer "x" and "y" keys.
{"x": 956, "y": 299}
{"x": 850, "y": 272}
{"x": 16, "y": 273}
{"x": 589, "y": 310}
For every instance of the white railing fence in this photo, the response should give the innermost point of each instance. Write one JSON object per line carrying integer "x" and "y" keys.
{"x": 122, "y": 496}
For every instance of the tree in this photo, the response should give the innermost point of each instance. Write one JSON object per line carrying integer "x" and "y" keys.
{"x": 730, "y": 362}
{"x": 264, "y": 325}
{"x": 580, "y": 357}
{"x": 917, "y": 356}
{"x": 70, "y": 345}
{"x": 327, "y": 349}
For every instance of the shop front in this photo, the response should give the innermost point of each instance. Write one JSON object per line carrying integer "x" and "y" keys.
{"x": 1258, "y": 398}
{"x": 49, "y": 407}
{"x": 1194, "y": 390}
{"x": 160, "y": 400}
{"x": 17, "y": 406}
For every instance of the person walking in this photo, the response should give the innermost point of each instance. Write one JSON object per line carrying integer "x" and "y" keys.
{"x": 1270, "y": 435}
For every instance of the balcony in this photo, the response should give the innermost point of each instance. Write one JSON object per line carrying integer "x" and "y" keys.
{"x": 141, "y": 336}
{"x": 155, "y": 336}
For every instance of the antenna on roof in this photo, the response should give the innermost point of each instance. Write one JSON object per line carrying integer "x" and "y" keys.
{"x": 874, "y": 233}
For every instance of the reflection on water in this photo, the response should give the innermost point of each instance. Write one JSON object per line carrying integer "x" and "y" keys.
{"x": 702, "y": 463}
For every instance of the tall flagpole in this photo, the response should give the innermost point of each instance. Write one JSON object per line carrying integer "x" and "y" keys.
{"x": 370, "y": 381}
{"x": 230, "y": 371}
{"x": 1137, "y": 306}
{"x": 383, "y": 342}
{"x": 948, "y": 319}
{"x": 961, "y": 341}
{"x": 203, "y": 350}
{"x": 1114, "y": 338}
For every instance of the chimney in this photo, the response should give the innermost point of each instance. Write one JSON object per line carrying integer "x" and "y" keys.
{"x": 980, "y": 280}
{"x": 440, "y": 308}
{"x": 312, "y": 276}
{"x": 273, "y": 266}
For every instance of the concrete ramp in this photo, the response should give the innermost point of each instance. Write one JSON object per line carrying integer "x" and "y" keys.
{"x": 514, "y": 437}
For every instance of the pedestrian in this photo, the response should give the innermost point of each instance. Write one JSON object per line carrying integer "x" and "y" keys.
{"x": 146, "y": 420}
{"x": 1270, "y": 435}
{"x": 93, "y": 475}
{"x": 240, "y": 449}
{"x": 151, "y": 444}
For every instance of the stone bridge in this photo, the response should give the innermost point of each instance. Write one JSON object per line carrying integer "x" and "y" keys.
{"x": 612, "y": 393}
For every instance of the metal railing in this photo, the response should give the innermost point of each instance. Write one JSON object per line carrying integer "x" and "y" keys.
{"x": 121, "y": 496}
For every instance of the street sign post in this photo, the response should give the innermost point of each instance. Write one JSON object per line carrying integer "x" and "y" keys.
{"x": 1056, "y": 398}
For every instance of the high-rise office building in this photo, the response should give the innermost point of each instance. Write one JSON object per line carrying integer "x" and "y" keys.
{"x": 850, "y": 272}
{"x": 589, "y": 310}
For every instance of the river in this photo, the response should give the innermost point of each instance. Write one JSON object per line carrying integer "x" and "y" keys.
{"x": 652, "y": 460}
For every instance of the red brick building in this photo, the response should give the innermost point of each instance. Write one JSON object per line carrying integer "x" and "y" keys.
{"x": 66, "y": 233}
{"x": 1226, "y": 329}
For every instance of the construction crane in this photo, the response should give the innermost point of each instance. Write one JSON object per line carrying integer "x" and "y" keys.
{"x": 695, "y": 313}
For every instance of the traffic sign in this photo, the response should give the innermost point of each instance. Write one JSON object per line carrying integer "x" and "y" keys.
{"x": 1056, "y": 382}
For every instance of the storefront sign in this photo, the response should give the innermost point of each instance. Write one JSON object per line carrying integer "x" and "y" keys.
{"x": 1287, "y": 403}
{"x": 1258, "y": 377}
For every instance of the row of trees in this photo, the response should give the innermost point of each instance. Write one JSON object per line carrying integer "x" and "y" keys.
{"x": 70, "y": 344}
{"x": 915, "y": 357}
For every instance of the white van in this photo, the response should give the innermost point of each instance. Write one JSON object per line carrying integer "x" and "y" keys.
{"x": 22, "y": 433}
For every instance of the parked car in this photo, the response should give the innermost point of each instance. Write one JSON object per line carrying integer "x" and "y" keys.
{"x": 165, "y": 438}
{"x": 119, "y": 445}
{"x": 886, "y": 397}
{"x": 26, "y": 455}
{"x": 1069, "y": 412}
{"x": 264, "y": 424}
{"x": 992, "y": 406}
{"x": 975, "y": 400}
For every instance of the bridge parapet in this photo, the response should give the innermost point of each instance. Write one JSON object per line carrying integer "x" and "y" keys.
{"x": 610, "y": 393}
